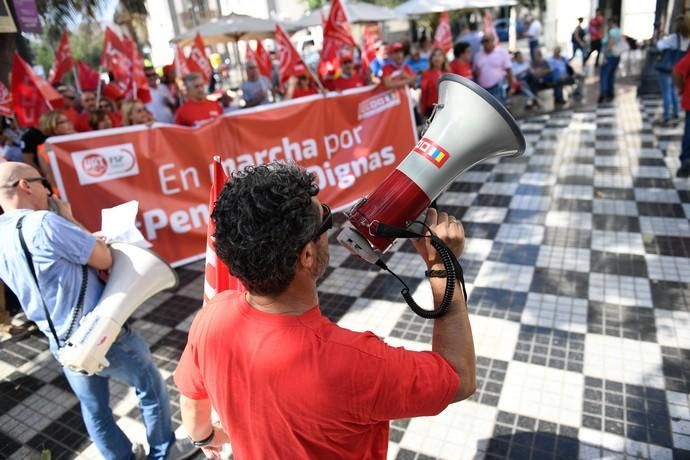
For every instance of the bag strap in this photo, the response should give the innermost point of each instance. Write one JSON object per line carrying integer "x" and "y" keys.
{"x": 82, "y": 290}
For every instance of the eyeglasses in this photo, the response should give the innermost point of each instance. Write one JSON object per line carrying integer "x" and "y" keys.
{"x": 41, "y": 179}
{"x": 326, "y": 222}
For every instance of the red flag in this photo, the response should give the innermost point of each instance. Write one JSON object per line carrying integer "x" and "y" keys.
{"x": 263, "y": 60}
{"x": 217, "y": 276}
{"x": 197, "y": 60}
{"x": 180, "y": 63}
{"x": 5, "y": 101}
{"x": 63, "y": 60}
{"x": 31, "y": 95}
{"x": 336, "y": 34}
{"x": 116, "y": 56}
{"x": 287, "y": 54}
{"x": 370, "y": 36}
{"x": 489, "y": 26}
{"x": 88, "y": 76}
{"x": 139, "y": 84}
{"x": 443, "y": 38}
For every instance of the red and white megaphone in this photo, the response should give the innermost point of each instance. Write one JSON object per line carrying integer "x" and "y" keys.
{"x": 468, "y": 126}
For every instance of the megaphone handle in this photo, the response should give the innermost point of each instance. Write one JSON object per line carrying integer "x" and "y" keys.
{"x": 453, "y": 273}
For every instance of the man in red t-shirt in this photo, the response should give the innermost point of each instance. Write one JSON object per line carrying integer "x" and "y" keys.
{"x": 197, "y": 109}
{"x": 69, "y": 97}
{"x": 284, "y": 380}
{"x": 462, "y": 64}
{"x": 396, "y": 73}
{"x": 681, "y": 76}
{"x": 347, "y": 78}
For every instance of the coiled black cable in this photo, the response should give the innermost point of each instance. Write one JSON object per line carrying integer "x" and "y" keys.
{"x": 450, "y": 263}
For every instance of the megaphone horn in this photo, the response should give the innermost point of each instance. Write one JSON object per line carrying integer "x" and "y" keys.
{"x": 469, "y": 125}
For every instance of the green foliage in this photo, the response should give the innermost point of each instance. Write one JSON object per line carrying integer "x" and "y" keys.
{"x": 85, "y": 44}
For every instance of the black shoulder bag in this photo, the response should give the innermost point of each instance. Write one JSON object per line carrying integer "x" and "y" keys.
{"x": 82, "y": 289}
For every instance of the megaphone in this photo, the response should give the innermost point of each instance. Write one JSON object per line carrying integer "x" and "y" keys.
{"x": 467, "y": 126}
{"x": 137, "y": 274}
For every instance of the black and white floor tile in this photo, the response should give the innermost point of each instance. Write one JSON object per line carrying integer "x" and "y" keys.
{"x": 578, "y": 273}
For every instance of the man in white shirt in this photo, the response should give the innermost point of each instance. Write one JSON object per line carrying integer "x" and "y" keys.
{"x": 533, "y": 35}
{"x": 161, "y": 105}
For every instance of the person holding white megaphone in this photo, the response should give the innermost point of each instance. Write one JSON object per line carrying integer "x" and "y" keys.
{"x": 282, "y": 377}
{"x": 51, "y": 263}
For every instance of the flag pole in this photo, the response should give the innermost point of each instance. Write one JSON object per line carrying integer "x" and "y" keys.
{"x": 98, "y": 88}
{"x": 76, "y": 79}
{"x": 315, "y": 78}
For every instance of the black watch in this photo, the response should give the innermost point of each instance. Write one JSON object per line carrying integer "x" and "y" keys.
{"x": 206, "y": 441}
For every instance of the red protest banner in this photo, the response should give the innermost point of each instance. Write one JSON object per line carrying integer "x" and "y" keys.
{"x": 31, "y": 95}
{"x": 197, "y": 60}
{"x": 351, "y": 141}
{"x": 63, "y": 60}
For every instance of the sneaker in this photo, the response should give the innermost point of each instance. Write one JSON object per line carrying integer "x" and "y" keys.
{"x": 11, "y": 332}
{"x": 138, "y": 451}
{"x": 183, "y": 448}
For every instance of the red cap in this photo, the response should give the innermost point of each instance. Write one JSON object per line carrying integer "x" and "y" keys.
{"x": 168, "y": 68}
{"x": 346, "y": 56}
{"x": 395, "y": 47}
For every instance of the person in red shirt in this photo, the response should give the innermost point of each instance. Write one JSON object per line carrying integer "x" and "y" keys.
{"x": 462, "y": 64}
{"x": 88, "y": 104}
{"x": 197, "y": 109}
{"x": 300, "y": 84}
{"x": 347, "y": 78}
{"x": 396, "y": 73}
{"x": 681, "y": 77}
{"x": 429, "y": 85}
{"x": 285, "y": 380}
{"x": 596, "y": 35}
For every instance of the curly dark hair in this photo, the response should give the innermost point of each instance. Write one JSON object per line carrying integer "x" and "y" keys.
{"x": 264, "y": 217}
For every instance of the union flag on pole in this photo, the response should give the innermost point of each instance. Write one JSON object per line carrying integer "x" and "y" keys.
{"x": 370, "y": 36}
{"x": 262, "y": 59}
{"x": 489, "y": 26}
{"x": 116, "y": 57}
{"x": 287, "y": 54}
{"x": 88, "y": 76}
{"x": 180, "y": 63}
{"x": 31, "y": 94}
{"x": 197, "y": 60}
{"x": 443, "y": 38}
{"x": 217, "y": 276}
{"x": 336, "y": 34}
{"x": 139, "y": 84}
{"x": 5, "y": 101}
{"x": 63, "y": 60}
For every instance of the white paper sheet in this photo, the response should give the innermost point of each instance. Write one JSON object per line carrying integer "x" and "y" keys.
{"x": 119, "y": 224}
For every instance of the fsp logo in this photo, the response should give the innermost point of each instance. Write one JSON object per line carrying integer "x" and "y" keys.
{"x": 105, "y": 163}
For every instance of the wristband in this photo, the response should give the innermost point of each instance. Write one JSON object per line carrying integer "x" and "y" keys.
{"x": 206, "y": 441}
{"x": 436, "y": 274}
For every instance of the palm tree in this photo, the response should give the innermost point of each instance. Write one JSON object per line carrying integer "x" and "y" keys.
{"x": 55, "y": 17}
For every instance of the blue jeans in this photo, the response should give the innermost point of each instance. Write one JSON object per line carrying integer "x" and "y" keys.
{"x": 607, "y": 76}
{"x": 685, "y": 145}
{"x": 533, "y": 46}
{"x": 497, "y": 92}
{"x": 669, "y": 95}
{"x": 130, "y": 363}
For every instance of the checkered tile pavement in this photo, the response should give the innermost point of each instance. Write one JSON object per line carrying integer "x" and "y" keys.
{"x": 577, "y": 265}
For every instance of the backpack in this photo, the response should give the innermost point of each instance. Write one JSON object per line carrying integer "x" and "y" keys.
{"x": 669, "y": 57}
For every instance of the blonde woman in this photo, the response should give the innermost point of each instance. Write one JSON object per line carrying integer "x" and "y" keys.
{"x": 134, "y": 113}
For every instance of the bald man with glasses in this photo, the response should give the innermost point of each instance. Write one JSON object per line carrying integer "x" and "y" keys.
{"x": 51, "y": 263}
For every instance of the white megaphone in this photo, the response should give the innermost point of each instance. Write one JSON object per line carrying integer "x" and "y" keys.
{"x": 468, "y": 126}
{"x": 137, "y": 274}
